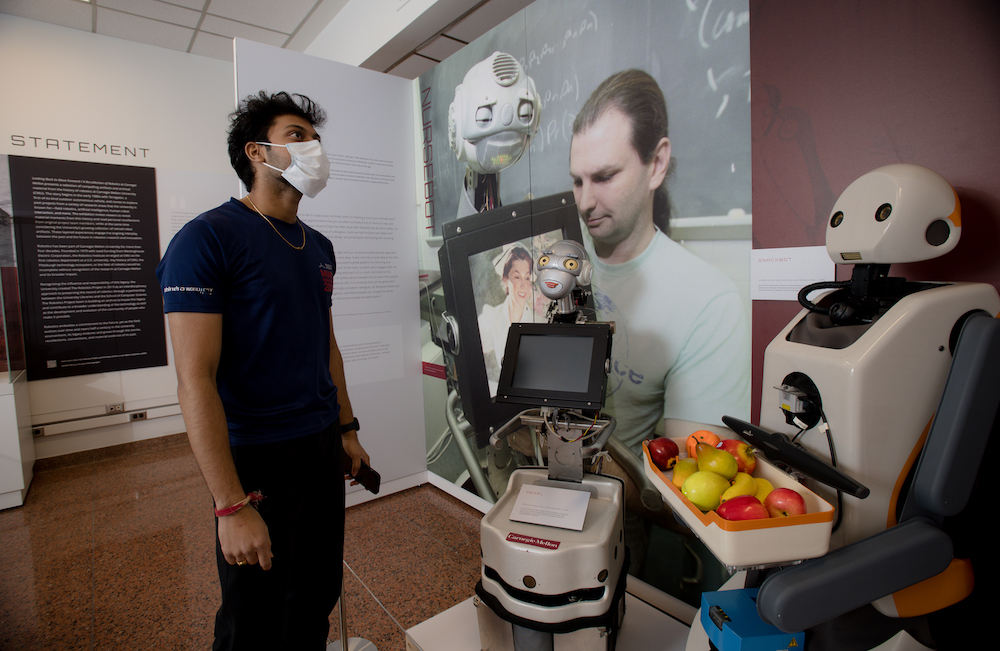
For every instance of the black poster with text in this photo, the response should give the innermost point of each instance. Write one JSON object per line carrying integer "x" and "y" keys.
{"x": 87, "y": 247}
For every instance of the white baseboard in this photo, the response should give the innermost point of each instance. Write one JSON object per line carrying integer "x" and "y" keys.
{"x": 358, "y": 495}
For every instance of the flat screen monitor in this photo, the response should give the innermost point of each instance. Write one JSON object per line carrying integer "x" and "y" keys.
{"x": 560, "y": 365}
{"x": 487, "y": 277}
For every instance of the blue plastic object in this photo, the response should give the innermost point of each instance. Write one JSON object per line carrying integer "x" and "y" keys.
{"x": 730, "y": 619}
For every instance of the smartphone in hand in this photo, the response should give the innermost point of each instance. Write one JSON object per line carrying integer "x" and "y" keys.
{"x": 366, "y": 476}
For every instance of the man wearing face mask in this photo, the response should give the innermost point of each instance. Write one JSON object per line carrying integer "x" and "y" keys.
{"x": 247, "y": 288}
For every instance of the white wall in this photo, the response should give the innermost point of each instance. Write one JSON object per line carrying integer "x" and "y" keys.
{"x": 67, "y": 86}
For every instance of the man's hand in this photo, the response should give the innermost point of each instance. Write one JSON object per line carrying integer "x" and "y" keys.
{"x": 353, "y": 449}
{"x": 244, "y": 537}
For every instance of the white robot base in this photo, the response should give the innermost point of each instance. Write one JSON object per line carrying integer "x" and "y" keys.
{"x": 552, "y": 589}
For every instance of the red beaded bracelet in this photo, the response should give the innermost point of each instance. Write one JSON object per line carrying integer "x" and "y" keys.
{"x": 252, "y": 498}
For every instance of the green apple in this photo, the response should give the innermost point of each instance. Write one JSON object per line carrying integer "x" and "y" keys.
{"x": 705, "y": 488}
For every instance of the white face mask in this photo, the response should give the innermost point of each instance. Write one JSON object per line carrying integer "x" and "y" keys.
{"x": 310, "y": 168}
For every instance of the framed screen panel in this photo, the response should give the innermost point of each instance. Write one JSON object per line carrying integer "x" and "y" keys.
{"x": 471, "y": 279}
{"x": 560, "y": 365}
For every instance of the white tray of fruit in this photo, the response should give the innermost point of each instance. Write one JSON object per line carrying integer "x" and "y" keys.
{"x": 746, "y": 511}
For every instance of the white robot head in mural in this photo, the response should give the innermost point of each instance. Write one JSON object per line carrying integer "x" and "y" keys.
{"x": 495, "y": 113}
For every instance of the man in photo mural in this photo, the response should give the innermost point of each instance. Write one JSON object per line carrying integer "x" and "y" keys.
{"x": 681, "y": 351}
{"x": 247, "y": 288}
{"x": 682, "y": 346}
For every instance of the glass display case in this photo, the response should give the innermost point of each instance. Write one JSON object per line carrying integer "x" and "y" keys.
{"x": 17, "y": 448}
{"x": 12, "y": 351}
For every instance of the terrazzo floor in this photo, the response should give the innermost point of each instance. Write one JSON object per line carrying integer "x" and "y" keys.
{"x": 114, "y": 550}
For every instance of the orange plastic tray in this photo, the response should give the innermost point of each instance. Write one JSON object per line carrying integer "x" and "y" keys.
{"x": 752, "y": 543}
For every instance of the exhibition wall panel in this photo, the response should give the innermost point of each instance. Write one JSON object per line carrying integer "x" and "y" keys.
{"x": 86, "y": 101}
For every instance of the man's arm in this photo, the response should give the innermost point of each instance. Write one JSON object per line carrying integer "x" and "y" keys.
{"x": 352, "y": 446}
{"x": 196, "y": 339}
{"x": 711, "y": 377}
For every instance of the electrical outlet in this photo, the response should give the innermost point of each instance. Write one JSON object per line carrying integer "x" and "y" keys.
{"x": 138, "y": 415}
{"x": 116, "y": 409}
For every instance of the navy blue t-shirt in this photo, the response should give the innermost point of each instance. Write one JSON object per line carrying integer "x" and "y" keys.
{"x": 274, "y": 368}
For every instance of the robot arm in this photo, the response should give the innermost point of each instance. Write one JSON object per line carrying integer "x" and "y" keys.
{"x": 805, "y": 595}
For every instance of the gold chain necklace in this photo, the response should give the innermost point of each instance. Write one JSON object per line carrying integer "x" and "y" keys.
{"x": 297, "y": 248}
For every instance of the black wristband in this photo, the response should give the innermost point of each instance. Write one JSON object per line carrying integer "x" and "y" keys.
{"x": 352, "y": 426}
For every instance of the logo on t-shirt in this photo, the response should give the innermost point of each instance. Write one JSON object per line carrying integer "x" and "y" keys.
{"x": 196, "y": 290}
{"x": 326, "y": 276}
{"x": 622, "y": 366}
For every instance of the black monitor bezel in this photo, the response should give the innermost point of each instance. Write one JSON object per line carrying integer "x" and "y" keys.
{"x": 597, "y": 381}
{"x": 469, "y": 236}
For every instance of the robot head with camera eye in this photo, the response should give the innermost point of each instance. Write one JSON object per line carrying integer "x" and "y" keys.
{"x": 894, "y": 214}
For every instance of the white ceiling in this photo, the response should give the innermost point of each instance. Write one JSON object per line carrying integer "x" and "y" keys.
{"x": 207, "y": 27}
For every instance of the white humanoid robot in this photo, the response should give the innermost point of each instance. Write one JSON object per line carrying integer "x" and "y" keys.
{"x": 546, "y": 587}
{"x": 495, "y": 113}
{"x": 891, "y": 382}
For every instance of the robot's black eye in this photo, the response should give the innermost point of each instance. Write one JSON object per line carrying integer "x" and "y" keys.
{"x": 938, "y": 232}
{"x": 543, "y": 261}
{"x": 484, "y": 115}
{"x": 883, "y": 212}
{"x": 837, "y": 219}
{"x": 571, "y": 264}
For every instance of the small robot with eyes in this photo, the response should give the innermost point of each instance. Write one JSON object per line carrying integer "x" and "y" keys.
{"x": 564, "y": 269}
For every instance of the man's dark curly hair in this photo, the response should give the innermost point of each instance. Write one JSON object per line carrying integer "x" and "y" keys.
{"x": 253, "y": 119}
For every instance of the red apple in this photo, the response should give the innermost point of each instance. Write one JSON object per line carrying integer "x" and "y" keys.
{"x": 663, "y": 452}
{"x": 746, "y": 456}
{"x": 742, "y": 507}
{"x": 783, "y": 502}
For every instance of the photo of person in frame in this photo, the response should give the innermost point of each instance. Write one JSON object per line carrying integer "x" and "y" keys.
{"x": 506, "y": 294}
